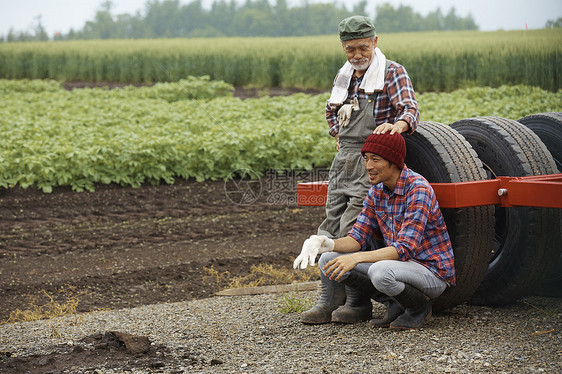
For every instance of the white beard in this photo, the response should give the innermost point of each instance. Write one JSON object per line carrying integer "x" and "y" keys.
{"x": 360, "y": 65}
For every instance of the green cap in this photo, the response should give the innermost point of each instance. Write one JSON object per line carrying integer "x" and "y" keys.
{"x": 356, "y": 27}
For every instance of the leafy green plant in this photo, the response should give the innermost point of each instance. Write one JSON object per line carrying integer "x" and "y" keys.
{"x": 295, "y": 303}
{"x": 513, "y": 102}
{"x": 53, "y": 137}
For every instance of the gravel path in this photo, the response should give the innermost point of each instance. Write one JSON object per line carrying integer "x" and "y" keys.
{"x": 248, "y": 334}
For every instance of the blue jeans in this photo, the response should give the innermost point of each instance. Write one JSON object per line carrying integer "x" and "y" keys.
{"x": 389, "y": 276}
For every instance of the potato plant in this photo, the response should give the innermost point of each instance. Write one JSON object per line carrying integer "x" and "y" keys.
{"x": 194, "y": 128}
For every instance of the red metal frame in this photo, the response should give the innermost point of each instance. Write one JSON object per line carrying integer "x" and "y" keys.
{"x": 537, "y": 190}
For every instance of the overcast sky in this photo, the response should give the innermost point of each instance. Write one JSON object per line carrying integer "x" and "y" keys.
{"x": 62, "y": 15}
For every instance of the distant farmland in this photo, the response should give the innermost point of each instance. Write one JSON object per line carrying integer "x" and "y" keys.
{"x": 436, "y": 61}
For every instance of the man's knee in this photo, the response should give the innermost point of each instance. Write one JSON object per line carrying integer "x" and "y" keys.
{"x": 382, "y": 275}
{"x": 327, "y": 257}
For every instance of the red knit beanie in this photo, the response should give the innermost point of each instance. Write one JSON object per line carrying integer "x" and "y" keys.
{"x": 389, "y": 147}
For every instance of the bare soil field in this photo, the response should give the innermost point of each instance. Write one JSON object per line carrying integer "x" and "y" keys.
{"x": 123, "y": 247}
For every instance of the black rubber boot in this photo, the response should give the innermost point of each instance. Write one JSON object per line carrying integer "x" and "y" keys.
{"x": 417, "y": 309}
{"x": 358, "y": 306}
{"x": 393, "y": 311}
{"x": 331, "y": 297}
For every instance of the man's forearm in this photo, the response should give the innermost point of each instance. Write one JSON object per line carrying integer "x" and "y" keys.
{"x": 346, "y": 244}
{"x": 386, "y": 253}
{"x": 350, "y": 245}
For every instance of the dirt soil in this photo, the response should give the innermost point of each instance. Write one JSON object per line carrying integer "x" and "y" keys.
{"x": 121, "y": 247}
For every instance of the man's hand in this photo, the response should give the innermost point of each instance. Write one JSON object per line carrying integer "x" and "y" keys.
{"x": 311, "y": 247}
{"x": 336, "y": 268}
{"x": 338, "y": 143}
{"x": 397, "y": 128}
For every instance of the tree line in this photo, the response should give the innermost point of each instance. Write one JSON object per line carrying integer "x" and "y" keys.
{"x": 172, "y": 19}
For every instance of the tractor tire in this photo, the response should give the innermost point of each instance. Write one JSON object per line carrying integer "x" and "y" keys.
{"x": 524, "y": 248}
{"x": 548, "y": 127}
{"x": 442, "y": 155}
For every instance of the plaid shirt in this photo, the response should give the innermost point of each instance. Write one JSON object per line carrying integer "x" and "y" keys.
{"x": 409, "y": 219}
{"x": 397, "y": 101}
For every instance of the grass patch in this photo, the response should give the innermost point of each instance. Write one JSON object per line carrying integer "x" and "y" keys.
{"x": 262, "y": 275}
{"x": 44, "y": 306}
{"x": 294, "y": 303}
{"x": 266, "y": 275}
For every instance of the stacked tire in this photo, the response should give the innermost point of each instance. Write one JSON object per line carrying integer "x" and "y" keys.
{"x": 525, "y": 245}
{"x": 442, "y": 155}
{"x": 501, "y": 254}
{"x": 548, "y": 127}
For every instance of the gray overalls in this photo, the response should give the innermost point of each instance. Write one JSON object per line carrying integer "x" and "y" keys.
{"x": 348, "y": 180}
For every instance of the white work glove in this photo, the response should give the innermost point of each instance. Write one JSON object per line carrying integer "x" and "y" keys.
{"x": 311, "y": 247}
{"x": 344, "y": 113}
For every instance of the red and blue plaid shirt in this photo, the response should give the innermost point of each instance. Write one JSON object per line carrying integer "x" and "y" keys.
{"x": 397, "y": 101}
{"x": 409, "y": 219}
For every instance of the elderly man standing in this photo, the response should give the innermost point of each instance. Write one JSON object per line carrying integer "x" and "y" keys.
{"x": 416, "y": 263}
{"x": 370, "y": 94}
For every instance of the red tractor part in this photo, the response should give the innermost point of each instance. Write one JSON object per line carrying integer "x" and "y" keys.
{"x": 537, "y": 190}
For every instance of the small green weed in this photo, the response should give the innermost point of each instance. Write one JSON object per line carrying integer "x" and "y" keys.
{"x": 293, "y": 303}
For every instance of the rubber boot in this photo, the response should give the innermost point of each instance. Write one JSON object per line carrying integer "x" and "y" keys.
{"x": 393, "y": 311}
{"x": 417, "y": 309}
{"x": 331, "y": 297}
{"x": 358, "y": 306}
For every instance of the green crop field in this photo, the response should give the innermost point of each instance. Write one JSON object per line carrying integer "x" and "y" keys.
{"x": 436, "y": 61}
{"x": 191, "y": 129}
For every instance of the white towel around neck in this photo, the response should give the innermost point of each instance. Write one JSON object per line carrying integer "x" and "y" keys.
{"x": 373, "y": 80}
